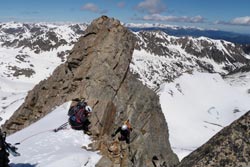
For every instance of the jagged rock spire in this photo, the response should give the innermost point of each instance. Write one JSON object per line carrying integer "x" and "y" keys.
{"x": 98, "y": 69}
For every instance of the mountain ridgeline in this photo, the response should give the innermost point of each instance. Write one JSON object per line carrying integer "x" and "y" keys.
{"x": 98, "y": 69}
{"x": 175, "y": 55}
{"x": 196, "y": 32}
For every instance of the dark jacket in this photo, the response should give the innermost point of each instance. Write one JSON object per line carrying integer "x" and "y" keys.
{"x": 4, "y": 160}
{"x": 124, "y": 134}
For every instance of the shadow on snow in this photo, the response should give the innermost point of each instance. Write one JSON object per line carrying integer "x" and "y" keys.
{"x": 23, "y": 165}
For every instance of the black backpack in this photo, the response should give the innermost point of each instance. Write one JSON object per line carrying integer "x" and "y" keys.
{"x": 77, "y": 115}
{"x": 73, "y": 109}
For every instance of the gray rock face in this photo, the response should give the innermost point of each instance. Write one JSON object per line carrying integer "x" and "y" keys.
{"x": 98, "y": 69}
{"x": 229, "y": 148}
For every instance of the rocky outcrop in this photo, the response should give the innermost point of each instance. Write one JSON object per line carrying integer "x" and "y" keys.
{"x": 229, "y": 148}
{"x": 98, "y": 69}
{"x": 243, "y": 69}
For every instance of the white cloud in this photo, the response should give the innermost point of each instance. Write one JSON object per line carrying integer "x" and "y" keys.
{"x": 93, "y": 8}
{"x": 151, "y": 6}
{"x": 245, "y": 21}
{"x": 158, "y": 17}
{"x": 241, "y": 20}
{"x": 90, "y": 7}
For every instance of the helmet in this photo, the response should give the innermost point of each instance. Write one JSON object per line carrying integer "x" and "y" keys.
{"x": 88, "y": 108}
{"x": 124, "y": 127}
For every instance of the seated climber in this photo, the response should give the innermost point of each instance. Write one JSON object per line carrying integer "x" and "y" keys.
{"x": 79, "y": 116}
{"x": 124, "y": 130}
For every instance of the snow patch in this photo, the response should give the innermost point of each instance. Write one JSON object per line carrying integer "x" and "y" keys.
{"x": 42, "y": 147}
{"x": 198, "y": 106}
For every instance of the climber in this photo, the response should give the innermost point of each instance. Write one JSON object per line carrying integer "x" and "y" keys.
{"x": 124, "y": 130}
{"x": 79, "y": 116}
{"x": 4, "y": 160}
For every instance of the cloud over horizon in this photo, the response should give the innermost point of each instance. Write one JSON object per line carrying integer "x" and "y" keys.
{"x": 151, "y": 7}
{"x": 187, "y": 19}
{"x": 93, "y": 8}
{"x": 242, "y": 21}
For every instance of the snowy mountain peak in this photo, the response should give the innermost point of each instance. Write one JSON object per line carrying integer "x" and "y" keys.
{"x": 39, "y": 36}
{"x": 27, "y": 48}
{"x": 176, "y": 55}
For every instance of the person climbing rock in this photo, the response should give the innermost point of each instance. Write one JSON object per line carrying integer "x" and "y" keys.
{"x": 124, "y": 130}
{"x": 128, "y": 124}
{"x": 4, "y": 156}
{"x": 79, "y": 116}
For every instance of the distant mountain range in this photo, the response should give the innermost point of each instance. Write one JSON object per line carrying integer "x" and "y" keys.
{"x": 196, "y": 32}
{"x": 178, "y": 31}
{"x": 20, "y": 43}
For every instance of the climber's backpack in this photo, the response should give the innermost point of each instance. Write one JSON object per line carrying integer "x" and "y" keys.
{"x": 75, "y": 108}
{"x": 77, "y": 115}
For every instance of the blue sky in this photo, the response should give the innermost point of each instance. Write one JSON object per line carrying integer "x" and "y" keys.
{"x": 230, "y": 15}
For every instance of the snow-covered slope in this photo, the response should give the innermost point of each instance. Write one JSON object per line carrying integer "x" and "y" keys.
{"x": 12, "y": 95}
{"x": 31, "y": 52}
{"x": 198, "y": 105}
{"x": 41, "y": 147}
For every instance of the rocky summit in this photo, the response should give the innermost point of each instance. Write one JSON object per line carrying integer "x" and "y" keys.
{"x": 98, "y": 70}
{"x": 229, "y": 148}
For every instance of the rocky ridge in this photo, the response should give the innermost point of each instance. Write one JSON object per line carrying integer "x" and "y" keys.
{"x": 98, "y": 69}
